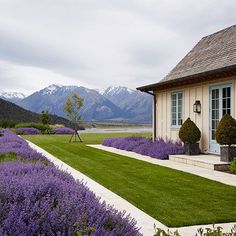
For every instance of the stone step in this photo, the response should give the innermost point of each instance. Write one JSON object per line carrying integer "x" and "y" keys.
{"x": 209, "y": 161}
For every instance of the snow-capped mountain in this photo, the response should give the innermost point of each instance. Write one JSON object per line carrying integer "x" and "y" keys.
{"x": 115, "y": 90}
{"x": 11, "y": 96}
{"x": 52, "y": 99}
{"x": 136, "y": 105}
{"x": 112, "y": 103}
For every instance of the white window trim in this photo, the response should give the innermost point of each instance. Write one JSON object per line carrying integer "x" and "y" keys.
{"x": 176, "y": 92}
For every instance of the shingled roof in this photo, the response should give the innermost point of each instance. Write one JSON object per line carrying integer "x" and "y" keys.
{"x": 213, "y": 54}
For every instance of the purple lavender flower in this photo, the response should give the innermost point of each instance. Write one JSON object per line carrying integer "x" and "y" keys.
{"x": 38, "y": 199}
{"x": 159, "y": 149}
{"x": 27, "y": 131}
{"x": 63, "y": 130}
{"x": 10, "y": 142}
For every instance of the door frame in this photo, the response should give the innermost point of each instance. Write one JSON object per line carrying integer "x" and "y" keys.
{"x": 219, "y": 86}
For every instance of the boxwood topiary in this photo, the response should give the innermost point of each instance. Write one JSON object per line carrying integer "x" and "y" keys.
{"x": 226, "y": 131}
{"x": 189, "y": 132}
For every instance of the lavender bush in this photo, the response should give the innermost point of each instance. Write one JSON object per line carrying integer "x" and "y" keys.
{"x": 63, "y": 130}
{"x": 38, "y": 199}
{"x": 27, "y": 131}
{"x": 160, "y": 149}
{"x": 10, "y": 142}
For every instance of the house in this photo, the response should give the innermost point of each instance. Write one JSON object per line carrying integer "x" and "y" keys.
{"x": 201, "y": 86}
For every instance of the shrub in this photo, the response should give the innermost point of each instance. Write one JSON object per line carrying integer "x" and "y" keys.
{"x": 11, "y": 143}
{"x": 56, "y": 126}
{"x": 63, "y": 130}
{"x": 27, "y": 131}
{"x": 226, "y": 131}
{"x": 189, "y": 132}
{"x": 45, "y": 117}
{"x": 233, "y": 165}
{"x": 7, "y": 123}
{"x": 214, "y": 231}
{"x": 43, "y": 128}
{"x": 39, "y": 199}
{"x": 159, "y": 149}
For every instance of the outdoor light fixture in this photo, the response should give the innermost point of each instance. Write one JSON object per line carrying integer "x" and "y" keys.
{"x": 197, "y": 107}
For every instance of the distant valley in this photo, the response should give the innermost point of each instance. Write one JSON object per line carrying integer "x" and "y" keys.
{"x": 110, "y": 104}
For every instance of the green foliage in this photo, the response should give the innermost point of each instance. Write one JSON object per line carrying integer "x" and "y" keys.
{"x": 200, "y": 232}
{"x": 161, "y": 232}
{"x": 7, "y": 123}
{"x": 72, "y": 107}
{"x": 233, "y": 165}
{"x": 43, "y": 128}
{"x": 10, "y": 156}
{"x": 82, "y": 228}
{"x": 189, "y": 132}
{"x": 45, "y": 117}
{"x": 226, "y": 131}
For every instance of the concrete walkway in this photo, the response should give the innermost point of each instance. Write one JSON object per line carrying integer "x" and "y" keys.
{"x": 144, "y": 221}
{"x": 218, "y": 176}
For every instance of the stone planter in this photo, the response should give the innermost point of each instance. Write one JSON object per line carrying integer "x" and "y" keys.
{"x": 192, "y": 149}
{"x": 227, "y": 153}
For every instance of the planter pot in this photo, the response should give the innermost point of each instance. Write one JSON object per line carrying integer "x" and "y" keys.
{"x": 227, "y": 153}
{"x": 192, "y": 149}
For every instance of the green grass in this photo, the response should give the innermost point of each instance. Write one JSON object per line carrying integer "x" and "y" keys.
{"x": 173, "y": 197}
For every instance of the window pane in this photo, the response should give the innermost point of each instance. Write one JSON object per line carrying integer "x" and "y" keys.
{"x": 224, "y": 92}
{"x": 217, "y": 104}
{"x": 213, "y": 92}
{"x": 228, "y": 103}
{"x": 213, "y": 134}
{"x": 228, "y": 92}
{"x": 224, "y": 103}
{"x": 176, "y": 108}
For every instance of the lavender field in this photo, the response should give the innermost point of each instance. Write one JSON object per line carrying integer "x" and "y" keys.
{"x": 36, "y": 198}
{"x": 159, "y": 149}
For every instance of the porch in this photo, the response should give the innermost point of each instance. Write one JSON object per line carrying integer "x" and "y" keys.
{"x": 207, "y": 161}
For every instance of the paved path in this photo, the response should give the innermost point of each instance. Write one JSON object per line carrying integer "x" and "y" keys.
{"x": 144, "y": 221}
{"x": 222, "y": 177}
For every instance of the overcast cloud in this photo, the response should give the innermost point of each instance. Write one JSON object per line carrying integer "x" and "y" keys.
{"x": 97, "y": 43}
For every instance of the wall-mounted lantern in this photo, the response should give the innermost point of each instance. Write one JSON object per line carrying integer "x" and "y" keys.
{"x": 197, "y": 106}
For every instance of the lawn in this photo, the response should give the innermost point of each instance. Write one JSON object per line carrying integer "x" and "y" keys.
{"x": 173, "y": 197}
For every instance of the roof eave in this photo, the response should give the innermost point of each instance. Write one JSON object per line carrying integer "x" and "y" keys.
{"x": 191, "y": 79}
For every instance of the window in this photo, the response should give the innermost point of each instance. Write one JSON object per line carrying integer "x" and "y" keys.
{"x": 176, "y": 108}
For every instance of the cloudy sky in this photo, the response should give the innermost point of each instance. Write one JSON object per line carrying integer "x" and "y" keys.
{"x": 97, "y": 43}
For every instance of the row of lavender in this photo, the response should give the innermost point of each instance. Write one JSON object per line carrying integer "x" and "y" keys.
{"x": 36, "y": 198}
{"x": 32, "y": 131}
{"x": 159, "y": 149}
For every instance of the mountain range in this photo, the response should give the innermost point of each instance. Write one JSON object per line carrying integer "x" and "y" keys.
{"x": 113, "y": 103}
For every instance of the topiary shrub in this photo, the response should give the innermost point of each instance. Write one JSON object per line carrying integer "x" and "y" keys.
{"x": 189, "y": 132}
{"x": 233, "y": 166}
{"x": 226, "y": 131}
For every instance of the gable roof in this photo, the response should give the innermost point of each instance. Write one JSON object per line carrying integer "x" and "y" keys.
{"x": 213, "y": 54}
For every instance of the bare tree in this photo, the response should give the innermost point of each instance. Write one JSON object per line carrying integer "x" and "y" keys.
{"x": 72, "y": 107}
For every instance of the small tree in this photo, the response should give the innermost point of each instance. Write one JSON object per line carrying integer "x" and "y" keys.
{"x": 226, "y": 131}
{"x": 189, "y": 132}
{"x": 72, "y": 107}
{"x": 45, "y": 117}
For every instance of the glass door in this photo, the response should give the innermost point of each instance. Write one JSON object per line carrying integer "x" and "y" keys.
{"x": 220, "y": 104}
